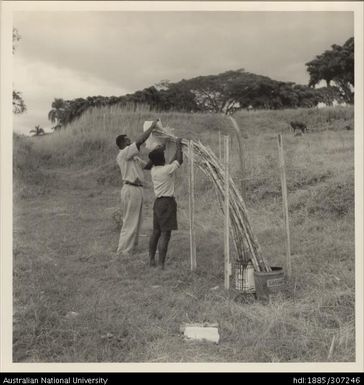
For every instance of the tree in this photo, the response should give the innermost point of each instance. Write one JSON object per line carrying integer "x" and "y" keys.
{"x": 163, "y": 85}
{"x": 344, "y": 77}
{"x": 57, "y": 113}
{"x": 37, "y": 131}
{"x": 217, "y": 93}
{"x": 56, "y": 127}
{"x": 16, "y": 38}
{"x": 75, "y": 108}
{"x": 18, "y": 102}
{"x": 178, "y": 97}
{"x": 335, "y": 65}
{"x": 64, "y": 112}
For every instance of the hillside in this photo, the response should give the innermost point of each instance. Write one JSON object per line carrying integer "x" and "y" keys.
{"x": 66, "y": 189}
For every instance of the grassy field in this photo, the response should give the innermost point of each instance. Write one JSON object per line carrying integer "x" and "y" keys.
{"x": 72, "y": 305}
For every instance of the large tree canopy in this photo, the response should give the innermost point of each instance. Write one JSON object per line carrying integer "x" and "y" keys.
{"x": 335, "y": 65}
{"x": 234, "y": 90}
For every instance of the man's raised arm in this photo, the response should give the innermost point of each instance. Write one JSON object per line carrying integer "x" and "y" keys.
{"x": 145, "y": 135}
{"x": 178, "y": 156}
{"x": 179, "y": 153}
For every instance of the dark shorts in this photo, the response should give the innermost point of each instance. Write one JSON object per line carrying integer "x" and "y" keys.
{"x": 165, "y": 214}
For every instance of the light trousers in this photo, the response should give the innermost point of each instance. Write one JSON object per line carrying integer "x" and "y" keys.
{"x": 131, "y": 211}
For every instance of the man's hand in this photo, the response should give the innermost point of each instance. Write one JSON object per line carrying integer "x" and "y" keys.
{"x": 154, "y": 124}
{"x": 179, "y": 154}
{"x": 145, "y": 135}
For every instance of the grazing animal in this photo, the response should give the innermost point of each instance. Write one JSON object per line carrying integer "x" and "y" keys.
{"x": 299, "y": 128}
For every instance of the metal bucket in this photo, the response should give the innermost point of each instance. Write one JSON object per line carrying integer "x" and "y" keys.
{"x": 244, "y": 277}
{"x": 269, "y": 283}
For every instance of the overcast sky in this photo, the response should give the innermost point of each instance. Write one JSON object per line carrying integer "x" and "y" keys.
{"x": 79, "y": 54}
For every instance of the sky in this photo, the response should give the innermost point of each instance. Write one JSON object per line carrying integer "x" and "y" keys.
{"x": 81, "y": 53}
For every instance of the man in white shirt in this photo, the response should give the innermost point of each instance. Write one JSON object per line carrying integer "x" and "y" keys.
{"x": 165, "y": 206}
{"x": 131, "y": 167}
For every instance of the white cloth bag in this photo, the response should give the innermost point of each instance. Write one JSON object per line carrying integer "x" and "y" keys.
{"x": 153, "y": 141}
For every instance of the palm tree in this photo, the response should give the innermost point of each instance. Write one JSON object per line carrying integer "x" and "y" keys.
{"x": 37, "y": 131}
{"x": 56, "y": 114}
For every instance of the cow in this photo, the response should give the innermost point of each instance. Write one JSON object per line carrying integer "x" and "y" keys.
{"x": 299, "y": 128}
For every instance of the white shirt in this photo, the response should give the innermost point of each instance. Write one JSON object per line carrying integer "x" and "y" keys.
{"x": 163, "y": 179}
{"x": 130, "y": 165}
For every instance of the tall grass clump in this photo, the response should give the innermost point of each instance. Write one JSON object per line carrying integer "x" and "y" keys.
{"x": 29, "y": 176}
{"x": 91, "y": 138}
{"x": 88, "y": 144}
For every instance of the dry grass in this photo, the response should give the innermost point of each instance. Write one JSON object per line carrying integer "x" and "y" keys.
{"x": 66, "y": 188}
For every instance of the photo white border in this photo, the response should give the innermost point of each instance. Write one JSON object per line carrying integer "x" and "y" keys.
{"x": 7, "y": 9}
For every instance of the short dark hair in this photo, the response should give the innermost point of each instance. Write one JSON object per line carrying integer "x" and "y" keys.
{"x": 120, "y": 140}
{"x": 157, "y": 156}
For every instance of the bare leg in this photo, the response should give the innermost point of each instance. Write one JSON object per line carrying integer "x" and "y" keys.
{"x": 163, "y": 247}
{"x": 153, "y": 243}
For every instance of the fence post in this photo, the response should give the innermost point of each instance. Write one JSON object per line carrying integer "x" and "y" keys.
{"x": 227, "y": 265}
{"x": 285, "y": 205}
{"x": 241, "y": 157}
{"x": 191, "y": 179}
{"x": 220, "y": 146}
